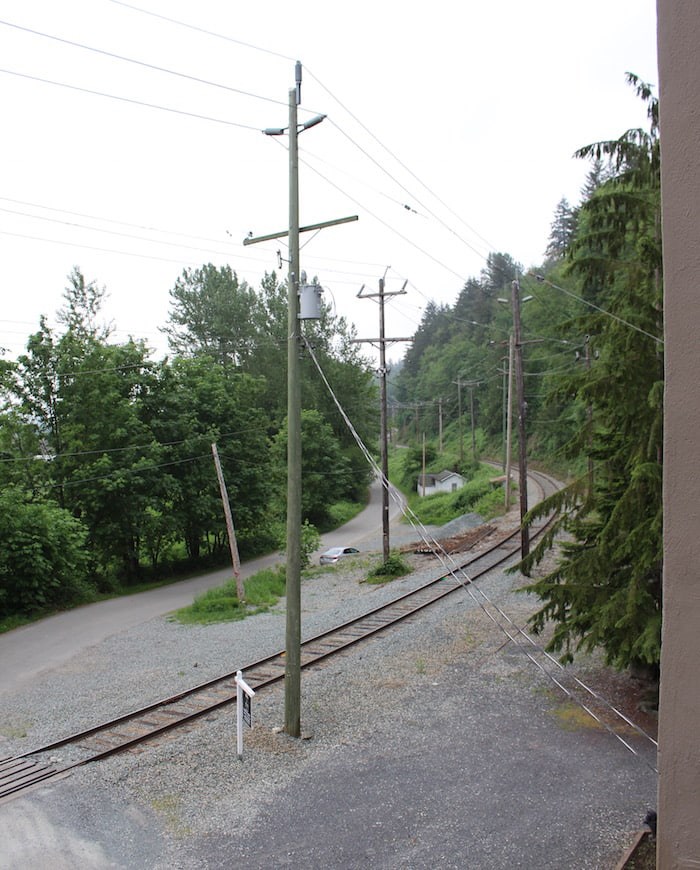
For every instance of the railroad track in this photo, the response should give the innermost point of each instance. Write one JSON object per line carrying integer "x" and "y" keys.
{"x": 21, "y": 772}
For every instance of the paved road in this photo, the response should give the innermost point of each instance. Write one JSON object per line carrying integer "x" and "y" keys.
{"x": 27, "y": 651}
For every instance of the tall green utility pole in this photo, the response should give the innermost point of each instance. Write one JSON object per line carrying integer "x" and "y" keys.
{"x": 292, "y": 678}
{"x": 292, "y": 674}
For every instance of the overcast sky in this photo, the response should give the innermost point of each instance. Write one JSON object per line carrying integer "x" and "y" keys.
{"x": 468, "y": 113}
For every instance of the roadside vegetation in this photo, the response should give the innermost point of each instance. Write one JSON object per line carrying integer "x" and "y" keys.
{"x": 106, "y": 471}
{"x": 221, "y": 604}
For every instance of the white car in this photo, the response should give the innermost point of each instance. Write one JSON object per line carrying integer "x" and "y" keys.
{"x": 330, "y": 557}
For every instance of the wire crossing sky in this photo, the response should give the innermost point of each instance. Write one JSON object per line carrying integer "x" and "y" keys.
{"x": 133, "y": 147}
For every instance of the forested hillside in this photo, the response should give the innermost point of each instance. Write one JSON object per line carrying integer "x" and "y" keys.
{"x": 592, "y": 346}
{"x": 106, "y": 468}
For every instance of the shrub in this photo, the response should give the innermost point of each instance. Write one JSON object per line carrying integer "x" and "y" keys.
{"x": 43, "y": 560}
{"x": 394, "y": 566}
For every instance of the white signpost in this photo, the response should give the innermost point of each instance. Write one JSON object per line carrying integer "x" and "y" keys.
{"x": 244, "y": 695}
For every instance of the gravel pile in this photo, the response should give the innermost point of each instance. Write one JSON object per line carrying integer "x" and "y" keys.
{"x": 401, "y": 764}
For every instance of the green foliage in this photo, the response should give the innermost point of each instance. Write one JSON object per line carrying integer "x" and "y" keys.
{"x": 124, "y": 443}
{"x": 43, "y": 561}
{"x": 342, "y": 512}
{"x": 326, "y": 473}
{"x": 310, "y": 542}
{"x": 262, "y": 591}
{"x": 394, "y": 566}
{"x": 606, "y": 589}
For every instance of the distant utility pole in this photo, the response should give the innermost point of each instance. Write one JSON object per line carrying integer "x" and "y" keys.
{"x": 522, "y": 436}
{"x": 233, "y": 545}
{"x": 509, "y": 418}
{"x": 382, "y": 341}
{"x": 292, "y": 681}
{"x": 471, "y": 385}
{"x": 458, "y": 383}
{"x": 517, "y": 351}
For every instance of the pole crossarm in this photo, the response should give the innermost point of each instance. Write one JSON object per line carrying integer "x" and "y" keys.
{"x": 253, "y": 240}
{"x": 378, "y": 340}
{"x": 382, "y": 342}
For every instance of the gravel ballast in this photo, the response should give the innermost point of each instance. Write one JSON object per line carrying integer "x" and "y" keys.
{"x": 437, "y": 744}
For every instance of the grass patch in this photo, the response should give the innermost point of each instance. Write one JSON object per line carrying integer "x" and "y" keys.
{"x": 394, "y": 567}
{"x": 571, "y": 717}
{"x": 262, "y": 590}
{"x": 492, "y": 504}
{"x": 343, "y": 511}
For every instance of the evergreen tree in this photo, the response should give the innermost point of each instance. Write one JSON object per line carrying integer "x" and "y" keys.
{"x": 562, "y": 232}
{"x": 606, "y": 590}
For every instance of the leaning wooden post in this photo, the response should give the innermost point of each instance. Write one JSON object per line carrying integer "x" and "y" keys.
{"x": 235, "y": 560}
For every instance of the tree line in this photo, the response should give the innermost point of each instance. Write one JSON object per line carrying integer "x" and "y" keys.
{"x": 593, "y": 360}
{"x": 106, "y": 469}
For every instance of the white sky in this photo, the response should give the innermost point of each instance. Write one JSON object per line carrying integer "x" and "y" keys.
{"x": 484, "y": 103}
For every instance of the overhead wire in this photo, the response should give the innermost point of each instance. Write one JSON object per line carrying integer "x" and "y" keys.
{"x": 142, "y": 63}
{"x": 403, "y": 165}
{"x": 130, "y": 100}
{"x": 542, "y": 280}
{"x": 258, "y": 48}
{"x": 203, "y": 30}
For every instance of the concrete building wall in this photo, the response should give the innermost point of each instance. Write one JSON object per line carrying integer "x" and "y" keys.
{"x": 679, "y": 712}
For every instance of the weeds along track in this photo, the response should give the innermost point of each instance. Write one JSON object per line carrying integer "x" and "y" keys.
{"x": 25, "y": 771}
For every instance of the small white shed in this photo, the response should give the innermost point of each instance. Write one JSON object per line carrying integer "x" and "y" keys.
{"x": 444, "y": 481}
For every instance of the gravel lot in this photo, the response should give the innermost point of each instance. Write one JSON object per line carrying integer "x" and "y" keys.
{"x": 437, "y": 745}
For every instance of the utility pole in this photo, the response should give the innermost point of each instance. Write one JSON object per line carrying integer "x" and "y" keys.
{"x": 458, "y": 382}
{"x": 509, "y": 418}
{"x": 292, "y": 674}
{"x": 522, "y": 445}
{"x": 440, "y": 424}
{"x": 382, "y": 341}
{"x": 292, "y": 677}
{"x": 233, "y": 545}
{"x": 589, "y": 415}
{"x": 504, "y": 372}
{"x": 471, "y": 385}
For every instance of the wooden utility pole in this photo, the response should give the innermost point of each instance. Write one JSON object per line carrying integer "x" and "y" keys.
{"x": 522, "y": 443}
{"x": 458, "y": 383}
{"x": 233, "y": 545}
{"x": 292, "y": 677}
{"x": 471, "y": 385}
{"x": 509, "y": 419}
{"x": 382, "y": 341}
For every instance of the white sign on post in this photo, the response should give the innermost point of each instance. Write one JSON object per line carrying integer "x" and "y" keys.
{"x": 244, "y": 695}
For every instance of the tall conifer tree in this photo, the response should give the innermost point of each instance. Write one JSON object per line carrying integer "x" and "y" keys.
{"x": 606, "y": 590}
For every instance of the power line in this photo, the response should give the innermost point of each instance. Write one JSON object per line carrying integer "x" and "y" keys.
{"x": 130, "y": 100}
{"x": 204, "y": 31}
{"x": 410, "y": 172}
{"x": 258, "y": 48}
{"x": 423, "y": 205}
{"x": 542, "y": 280}
{"x": 381, "y": 221}
{"x": 142, "y": 63}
